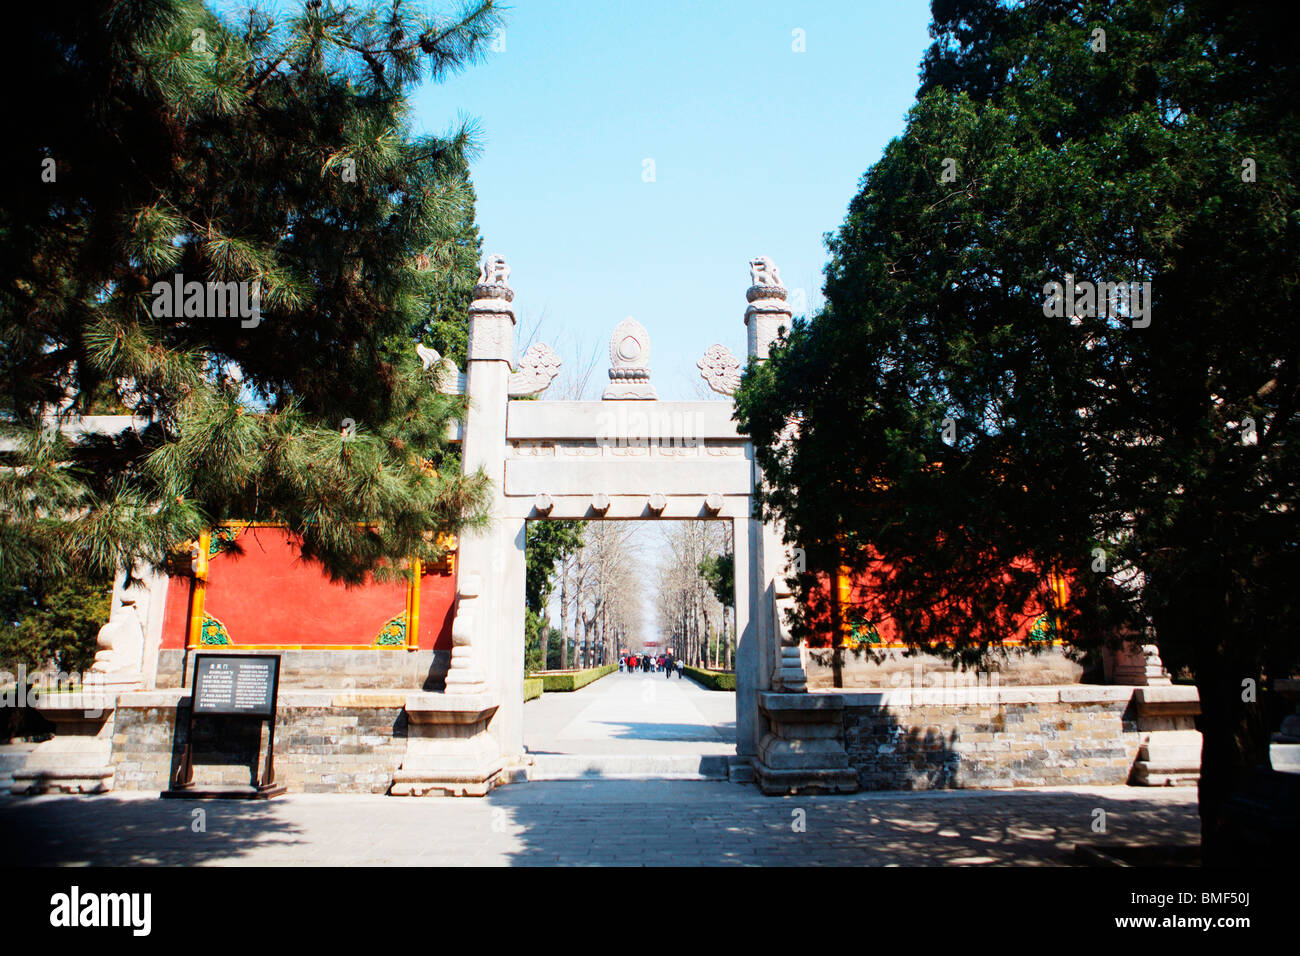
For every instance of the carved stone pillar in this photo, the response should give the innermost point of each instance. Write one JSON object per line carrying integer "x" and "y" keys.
{"x": 475, "y": 629}
{"x": 766, "y": 317}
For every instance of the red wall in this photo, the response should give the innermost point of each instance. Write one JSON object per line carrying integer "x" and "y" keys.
{"x": 269, "y": 595}
{"x": 865, "y": 604}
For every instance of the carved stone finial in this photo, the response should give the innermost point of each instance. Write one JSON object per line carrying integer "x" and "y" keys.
{"x": 494, "y": 279}
{"x": 767, "y": 314}
{"x": 720, "y": 369}
{"x": 537, "y": 368}
{"x": 491, "y": 337}
{"x": 764, "y": 280}
{"x": 629, "y": 362}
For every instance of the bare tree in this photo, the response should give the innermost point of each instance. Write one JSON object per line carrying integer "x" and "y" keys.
{"x": 685, "y": 602}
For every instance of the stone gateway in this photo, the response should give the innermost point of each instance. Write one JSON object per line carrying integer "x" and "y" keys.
{"x": 419, "y": 689}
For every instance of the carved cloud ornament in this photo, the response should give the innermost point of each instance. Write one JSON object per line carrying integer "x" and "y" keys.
{"x": 537, "y": 368}
{"x": 447, "y": 378}
{"x": 720, "y": 370}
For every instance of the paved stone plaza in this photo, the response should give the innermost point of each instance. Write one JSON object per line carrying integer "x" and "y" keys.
{"x": 601, "y": 822}
{"x": 607, "y": 823}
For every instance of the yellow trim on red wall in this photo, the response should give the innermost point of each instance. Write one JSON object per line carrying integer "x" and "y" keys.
{"x": 413, "y": 607}
{"x": 200, "y": 592}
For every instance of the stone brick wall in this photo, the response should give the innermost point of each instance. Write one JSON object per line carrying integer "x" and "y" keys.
{"x": 1013, "y": 668}
{"x": 325, "y": 742}
{"x": 991, "y": 737}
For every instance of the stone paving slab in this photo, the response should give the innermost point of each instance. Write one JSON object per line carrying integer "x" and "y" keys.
{"x": 638, "y": 713}
{"x": 606, "y": 823}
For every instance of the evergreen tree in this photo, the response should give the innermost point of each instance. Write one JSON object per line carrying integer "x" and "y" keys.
{"x": 51, "y": 621}
{"x": 546, "y": 544}
{"x": 155, "y": 141}
{"x": 960, "y": 422}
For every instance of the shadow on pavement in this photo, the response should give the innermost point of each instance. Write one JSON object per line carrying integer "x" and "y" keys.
{"x": 879, "y": 829}
{"x": 110, "y": 831}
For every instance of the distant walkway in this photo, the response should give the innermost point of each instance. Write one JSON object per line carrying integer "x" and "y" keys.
{"x": 633, "y": 714}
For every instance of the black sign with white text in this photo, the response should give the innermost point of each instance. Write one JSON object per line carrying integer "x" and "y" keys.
{"x": 243, "y": 685}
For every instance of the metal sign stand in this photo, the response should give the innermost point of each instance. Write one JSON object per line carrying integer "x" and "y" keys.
{"x": 263, "y": 787}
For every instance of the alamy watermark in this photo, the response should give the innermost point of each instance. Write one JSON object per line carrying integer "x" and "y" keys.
{"x": 75, "y": 909}
{"x": 179, "y": 299}
{"x": 78, "y": 688}
{"x": 1116, "y": 300}
{"x": 634, "y": 428}
{"x": 943, "y": 687}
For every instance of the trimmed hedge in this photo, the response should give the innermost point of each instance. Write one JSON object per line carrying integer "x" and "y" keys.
{"x": 713, "y": 680}
{"x": 572, "y": 680}
{"x": 533, "y": 688}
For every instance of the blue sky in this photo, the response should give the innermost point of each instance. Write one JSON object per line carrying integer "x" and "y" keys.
{"x": 757, "y": 150}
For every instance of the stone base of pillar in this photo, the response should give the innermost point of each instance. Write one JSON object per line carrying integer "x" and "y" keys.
{"x": 1170, "y": 754}
{"x": 1135, "y": 665}
{"x": 790, "y": 676}
{"x": 78, "y": 759}
{"x": 449, "y": 751}
{"x": 90, "y": 779}
{"x": 804, "y": 749}
{"x": 1284, "y": 748}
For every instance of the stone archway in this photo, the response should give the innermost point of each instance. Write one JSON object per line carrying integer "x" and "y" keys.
{"x": 628, "y": 456}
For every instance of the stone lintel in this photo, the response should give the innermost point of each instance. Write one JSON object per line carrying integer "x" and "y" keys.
{"x": 621, "y": 423}
{"x": 775, "y": 703}
{"x": 1171, "y": 699}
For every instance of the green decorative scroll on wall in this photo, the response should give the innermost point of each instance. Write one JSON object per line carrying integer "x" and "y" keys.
{"x": 393, "y": 633}
{"x": 1044, "y": 629}
{"x": 864, "y": 632}
{"x": 213, "y": 633}
{"x": 222, "y": 538}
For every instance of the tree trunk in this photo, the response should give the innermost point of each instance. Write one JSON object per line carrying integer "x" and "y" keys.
{"x": 564, "y": 613}
{"x": 1227, "y": 758}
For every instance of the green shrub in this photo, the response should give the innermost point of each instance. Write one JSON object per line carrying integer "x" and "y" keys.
{"x": 713, "y": 680}
{"x": 572, "y": 680}
{"x": 533, "y": 687}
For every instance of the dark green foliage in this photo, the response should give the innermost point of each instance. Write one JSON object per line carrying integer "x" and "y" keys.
{"x": 246, "y": 150}
{"x": 536, "y": 627}
{"x": 1076, "y": 440}
{"x": 574, "y": 680}
{"x": 546, "y": 544}
{"x": 719, "y": 573}
{"x": 713, "y": 680}
{"x": 51, "y": 621}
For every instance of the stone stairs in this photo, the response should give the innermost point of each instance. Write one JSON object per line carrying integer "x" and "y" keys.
{"x": 1169, "y": 758}
{"x": 630, "y": 766}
